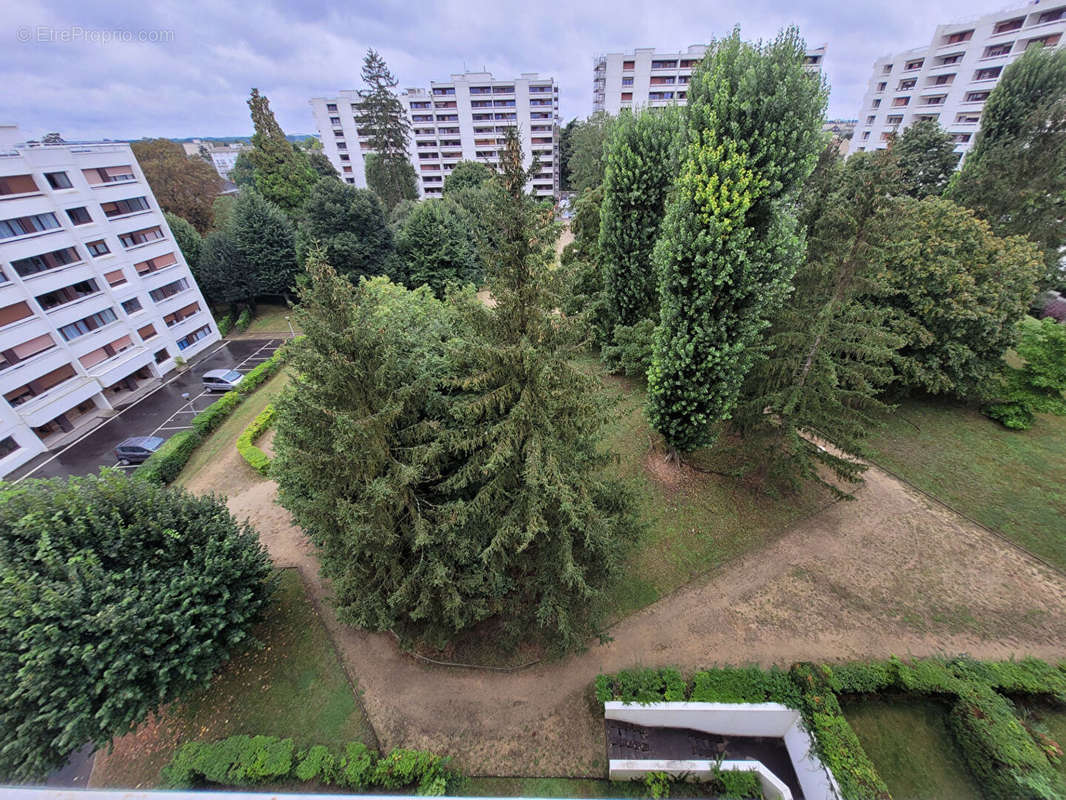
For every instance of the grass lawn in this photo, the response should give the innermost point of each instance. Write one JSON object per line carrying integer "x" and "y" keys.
{"x": 1053, "y": 721}
{"x": 294, "y": 687}
{"x": 912, "y": 748}
{"x": 694, "y": 526}
{"x": 564, "y": 787}
{"x": 225, "y": 436}
{"x": 270, "y": 318}
{"x": 1011, "y": 481}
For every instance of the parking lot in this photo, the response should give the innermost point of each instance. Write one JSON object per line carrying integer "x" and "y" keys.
{"x": 164, "y": 412}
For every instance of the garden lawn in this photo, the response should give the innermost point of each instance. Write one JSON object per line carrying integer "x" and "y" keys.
{"x": 1011, "y": 481}
{"x": 294, "y": 687}
{"x": 912, "y": 748}
{"x": 565, "y": 787}
{"x": 695, "y": 523}
{"x": 271, "y": 319}
{"x": 225, "y": 436}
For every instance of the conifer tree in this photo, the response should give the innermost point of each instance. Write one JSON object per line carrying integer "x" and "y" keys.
{"x": 729, "y": 244}
{"x": 641, "y": 157}
{"x": 435, "y": 249}
{"x": 282, "y": 173}
{"x": 222, "y": 273}
{"x": 350, "y": 225}
{"x": 381, "y": 117}
{"x": 189, "y": 240}
{"x": 830, "y": 350}
{"x": 926, "y": 158}
{"x": 266, "y": 240}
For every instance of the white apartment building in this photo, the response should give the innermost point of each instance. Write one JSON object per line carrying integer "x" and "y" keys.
{"x": 645, "y": 77}
{"x": 223, "y": 155}
{"x": 949, "y": 79}
{"x": 95, "y": 296}
{"x": 462, "y": 119}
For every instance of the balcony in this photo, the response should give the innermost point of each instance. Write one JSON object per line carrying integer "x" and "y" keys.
{"x": 112, "y": 370}
{"x": 57, "y": 400}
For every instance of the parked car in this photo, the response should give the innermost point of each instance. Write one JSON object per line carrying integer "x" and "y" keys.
{"x": 222, "y": 380}
{"x": 136, "y": 449}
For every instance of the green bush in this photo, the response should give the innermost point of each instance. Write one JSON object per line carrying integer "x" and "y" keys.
{"x": 256, "y": 377}
{"x": 657, "y": 784}
{"x": 927, "y": 676}
{"x": 262, "y": 758}
{"x": 631, "y": 352}
{"x": 401, "y": 768}
{"x": 256, "y": 458}
{"x": 244, "y": 320}
{"x": 166, "y": 463}
{"x": 745, "y": 685}
{"x": 236, "y": 761}
{"x": 863, "y": 677}
{"x": 213, "y": 416}
{"x": 357, "y": 766}
{"x": 225, "y": 325}
{"x": 737, "y": 784}
{"x": 840, "y": 750}
{"x": 317, "y": 764}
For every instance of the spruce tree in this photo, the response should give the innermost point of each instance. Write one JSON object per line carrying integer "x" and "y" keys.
{"x": 641, "y": 155}
{"x": 926, "y": 158}
{"x": 266, "y": 240}
{"x": 350, "y": 226}
{"x": 282, "y": 173}
{"x": 435, "y": 249}
{"x": 729, "y": 243}
{"x": 1015, "y": 176}
{"x": 189, "y": 240}
{"x": 381, "y": 118}
{"x": 830, "y": 350}
{"x": 525, "y": 491}
{"x": 222, "y": 273}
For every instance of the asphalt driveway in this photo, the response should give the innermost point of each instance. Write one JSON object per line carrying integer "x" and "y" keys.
{"x": 162, "y": 413}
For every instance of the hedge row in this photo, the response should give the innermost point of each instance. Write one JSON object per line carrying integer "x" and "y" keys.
{"x": 225, "y": 325}
{"x": 244, "y": 320}
{"x": 250, "y": 760}
{"x": 167, "y": 462}
{"x": 1005, "y": 757}
{"x": 256, "y": 458}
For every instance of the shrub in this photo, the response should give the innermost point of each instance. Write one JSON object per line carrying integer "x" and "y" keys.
{"x": 402, "y": 768}
{"x": 256, "y": 377}
{"x": 357, "y": 766}
{"x": 631, "y": 352}
{"x": 166, "y": 463}
{"x": 737, "y": 784}
{"x": 213, "y": 416}
{"x": 927, "y": 676}
{"x": 744, "y": 685}
{"x": 863, "y": 677}
{"x": 840, "y": 750}
{"x": 256, "y": 458}
{"x": 640, "y": 686}
{"x": 225, "y": 324}
{"x": 317, "y": 764}
{"x": 117, "y": 596}
{"x": 244, "y": 320}
{"x": 657, "y": 784}
{"x": 262, "y": 758}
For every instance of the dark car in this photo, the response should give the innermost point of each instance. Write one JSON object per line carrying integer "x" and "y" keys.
{"x": 136, "y": 449}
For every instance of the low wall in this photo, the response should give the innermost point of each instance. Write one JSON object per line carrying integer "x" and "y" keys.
{"x": 772, "y": 787}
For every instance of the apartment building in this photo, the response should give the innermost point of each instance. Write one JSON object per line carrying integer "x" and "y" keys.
{"x": 949, "y": 79}
{"x": 222, "y": 155}
{"x": 646, "y": 77}
{"x": 462, "y": 119}
{"x": 95, "y": 297}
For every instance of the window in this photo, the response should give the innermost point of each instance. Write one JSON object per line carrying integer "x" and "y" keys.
{"x": 875, "y": 104}
{"x": 987, "y": 74}
{"x": 976, "y": 97}
{"x": 155, "y": 264}
{"x": 118, "y": 208}
{"x": 17, "y": 184}
{"x": 882, "y": 86}
{"x": 336, "y": 120}
{"x": 79, "y": 215}
{"x": 338, "y": 133}
{"x": 900, "y": 101}
{"x": 1008, "y": 25}
{"x": 870, "y": 119}
{"x": 147, "y": 332}
{"x": 68, "y": 294}
{"x": 894, "y": 119}
{"x": 22, "y": 226}
{"x": 907, "y": 84}
{"x": 195, "y": 336}
{"x": 331, "y": 106}
{"x": 961, "y": 36}
{"x": 480, "y": 90}
{"x": 345, "y": 157}
{"x": 134, "y": 238}
{"x": 132, "y": 306}
{"x": 342, "y": 146}
{"x": 961, "y": 138}
{"x": 445, "y": 104}
{"x": 664, "y": 64}
{"x": 627, "y": 97}
{"x": 101, "y": 175}
{"x": 90, "y": 323}
{"x": 161, "y": 356}
{"x": 422, "y": 117}
{"x": 447, "y": 117}
{"x": 1051, "y": 16}
{"x": 46, "y": 261}
{"x": 181, "y": 314}
{"x": 627, "y": 64}
{"x": 7, "y": 446}
{"x": 350, "y": 180}
{"x": 998, "y": 50}
{"x": 58, "y": 180}
{"x": 865, "y": 134}
{"x": 886, "y": 69}
{"x": 954, "y": 58}
{"x": 915, "y": 64}
{"x": 169, "y": 290}
{"x": 967, "y": 119}
{"x": 935, "y": 100}
{"x": 943, "y": 80}
{"x": 689, "y": 63}
{"x": 1045, "y": 41}
{"x": 115, "y": 277}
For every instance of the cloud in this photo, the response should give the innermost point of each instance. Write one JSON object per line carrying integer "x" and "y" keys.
{"x": 188, "y": 69}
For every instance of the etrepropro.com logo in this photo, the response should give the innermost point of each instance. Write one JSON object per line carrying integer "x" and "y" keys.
{"x": 72, "y": 34}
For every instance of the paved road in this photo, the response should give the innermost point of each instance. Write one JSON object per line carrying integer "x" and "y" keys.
{"x": 163, "y": 413}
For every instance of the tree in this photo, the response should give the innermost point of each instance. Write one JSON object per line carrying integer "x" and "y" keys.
{"x": 584, "y": 296}
{"x": 641, "y": 155}
{"x": 1039, "y": 385}
{"x": 808, "y": 404}
{"x": 188, "y": 238}
{"x": 243, "y": 173}
{"x": 729, "y": 245}
{"x": 350, "y": 226}
{"x": 435, "y": 248}
{"x": 222, "y": 273}
{"x": 222, "y": 211}
{"x": 183, "y": 185}
{"x": 955, "y": 292}
{"x": 117, "y": 597}
{"x": 585, "y": 163}
{"x": 536, "y": 526}
{"x": 391, "y": 180}
{"x": 283, "y": 174}
{"x": 266, "y": 240}
{"x": 381, "y": 117}
{"x": 465, "y": 175}
{"x": 566, "y": 134}
{"x": 321, "y": 164}
{"x": 1015, "y": 177}
{"x": 926, "y": 158}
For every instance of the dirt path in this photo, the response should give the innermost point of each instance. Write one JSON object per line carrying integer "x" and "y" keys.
{"x": 890, "y": 573}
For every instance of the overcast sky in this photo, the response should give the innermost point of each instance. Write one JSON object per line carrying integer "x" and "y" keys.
{"x": 61, "y": 69}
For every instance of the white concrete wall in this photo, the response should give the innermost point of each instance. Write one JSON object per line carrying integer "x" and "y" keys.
{"x": 728, "y": 719}
{"x": 814, "y": 778}
{"x": 773, "y": 788}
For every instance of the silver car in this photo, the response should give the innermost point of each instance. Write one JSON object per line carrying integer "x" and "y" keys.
{"x": 222, "y": 380}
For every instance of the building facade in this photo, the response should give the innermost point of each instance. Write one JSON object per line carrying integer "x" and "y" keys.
{"x": 95, "y": 296}
{"x": 462, "y": 119}
{"x": 645, "y": 78}
{"x": 949, "y": 79}
{"x": 223, "y": 155}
